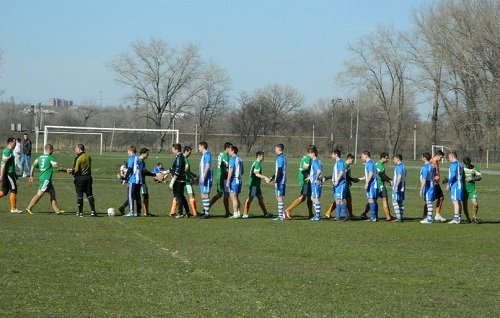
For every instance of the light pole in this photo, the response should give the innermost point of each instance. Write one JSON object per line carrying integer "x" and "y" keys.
{"x": 333, "y": 102}
{"x": 351, "y": 105}
{"x": 415, "y": 141}
{"x": 357, "y": 130}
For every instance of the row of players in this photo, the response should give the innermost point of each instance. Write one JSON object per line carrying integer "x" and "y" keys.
{"x": 461, "y": 183}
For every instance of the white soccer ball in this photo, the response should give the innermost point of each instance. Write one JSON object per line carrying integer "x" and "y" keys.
{"x": 111, "y": 211}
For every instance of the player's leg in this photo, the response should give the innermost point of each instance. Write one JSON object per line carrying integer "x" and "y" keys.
{"x": 79, "y": 195}
{"x": 39, "y": 194}
{"x": 439, "y": 195}
{"x": 263, "y": 205}
{"x": 192, "y": 199}
{"x": 475, "y": 210}
{"x": 305, "y": 190}
{"x": 372, "y": 195}
{"x": 385, "y": 204}
{"x": 252, "y": 192}
{"x": 205, "y": 199}
{"x": 12, "y": 188}
{"x": 315, "y": 198}
{"x": 331, "y": 207}
{"x": 53, "y": 200}
{"x": 456, "y": 198}
{"x": 89, "y": 192}
{"x": 279, "y": 191}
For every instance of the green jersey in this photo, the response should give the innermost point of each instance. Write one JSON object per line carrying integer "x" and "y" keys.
{"x": 304, "y": 169}
{"x": 253, "y": 180}
{"x": 187, "y": 169}
{"x": 222, "y": 164}
{"x": 472, "y": 171}
{"x": 44, "y": 164}
{"x": 380, "y": 169}
{"x": 8, "y": 160}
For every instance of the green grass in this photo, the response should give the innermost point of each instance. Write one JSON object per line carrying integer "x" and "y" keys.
{"x": 64, "y": 266}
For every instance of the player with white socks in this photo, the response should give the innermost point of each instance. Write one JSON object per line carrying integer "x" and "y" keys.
{"x": 316, "y": 179}
{"x": 280, "y": 181}
{"x": 205, "y": 177}
{"x": 398, "y": 187}
{"x": 427, "y": 174}
{"x": 456, "y": 186}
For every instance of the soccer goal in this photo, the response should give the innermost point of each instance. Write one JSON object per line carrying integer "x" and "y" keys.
{"x": 442, "y": 148}
{"x": 109, "y": 137}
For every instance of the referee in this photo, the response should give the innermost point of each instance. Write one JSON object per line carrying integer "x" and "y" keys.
{"x": 83, "y": 179}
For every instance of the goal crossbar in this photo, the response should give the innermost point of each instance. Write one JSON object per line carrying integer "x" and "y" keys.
{"x": 100, "y": 130}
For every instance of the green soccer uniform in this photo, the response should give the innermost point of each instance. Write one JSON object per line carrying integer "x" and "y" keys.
{"x": 44, "y": 164}
{"x": 304, "y": 172}
{"x": 380, "y": 168}
{"x": 254, "y": 181}
{"x": 222, "y": 165}
{"x": 470, "y": 186}
{"x": 10, "y": 165}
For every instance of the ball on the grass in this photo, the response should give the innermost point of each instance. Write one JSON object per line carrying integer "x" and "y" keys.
{"x": 111, "y": 212}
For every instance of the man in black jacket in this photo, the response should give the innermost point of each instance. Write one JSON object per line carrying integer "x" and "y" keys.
{"x": 25, "y": 156}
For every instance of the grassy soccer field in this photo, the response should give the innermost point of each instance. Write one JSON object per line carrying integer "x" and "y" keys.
{"x": 65, "y": 266}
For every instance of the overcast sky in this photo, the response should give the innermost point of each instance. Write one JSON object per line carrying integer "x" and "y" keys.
{"x": 59, "y": 48}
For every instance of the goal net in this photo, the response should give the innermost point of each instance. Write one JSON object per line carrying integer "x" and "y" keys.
{"x": 107, "y": 138}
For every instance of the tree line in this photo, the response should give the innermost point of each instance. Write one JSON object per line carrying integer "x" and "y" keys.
{"x": 448, "y": 60}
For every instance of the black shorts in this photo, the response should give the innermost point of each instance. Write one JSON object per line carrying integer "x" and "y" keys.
{"x": 83, "y": 184}
{"x": 9, "y": 183}
{"x": 438, "y": 192}
{"x": 306, "y": 189}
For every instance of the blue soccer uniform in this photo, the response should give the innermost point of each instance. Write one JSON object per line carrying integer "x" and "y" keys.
{"x": 398, "y": 190}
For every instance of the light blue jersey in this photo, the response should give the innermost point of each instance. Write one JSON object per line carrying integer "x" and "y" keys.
{"x": 137, "y": 165}
{"x": 206, "y": 159}
{"x": 456, "y": 180}
{"x": 399, "y": 182}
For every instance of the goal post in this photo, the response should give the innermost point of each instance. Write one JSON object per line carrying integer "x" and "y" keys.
{"x": 49, "y": 129}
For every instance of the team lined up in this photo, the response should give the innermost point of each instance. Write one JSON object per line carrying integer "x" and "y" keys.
{"x": 229, "y": 181}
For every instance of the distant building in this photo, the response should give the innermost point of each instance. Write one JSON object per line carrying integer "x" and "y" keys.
{"x": 59, "y": 102}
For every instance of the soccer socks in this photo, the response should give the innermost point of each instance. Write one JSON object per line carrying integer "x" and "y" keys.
{"x": 343, "y": 208}
{"x": 206, "y": 205}
{"x": 317, "y": 209}
{"x": 338, "y": 208}
{"x": 192, "y": 202}
{"x": 373, "y": 210}
{"x": 429, "y": 211}
{"x": 397, "y": 210}
{"x": 281, "y": 208}
{"x": 13, "y": 201}
{"x": 456, "y": 215}
{"x": 294, "y": 204}
{"x": 329, "y": 211}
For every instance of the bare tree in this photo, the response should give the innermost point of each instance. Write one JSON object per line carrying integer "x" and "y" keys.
{"x": 212, "y": 99}
{"x": 252, "y": 122}
{"x": 382, "y": 66}
{"x": 163, "y": 79}
{"x": 87, "y": 112}
{"x": 279, "y": 102}
{"x": 464, "y": 35}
